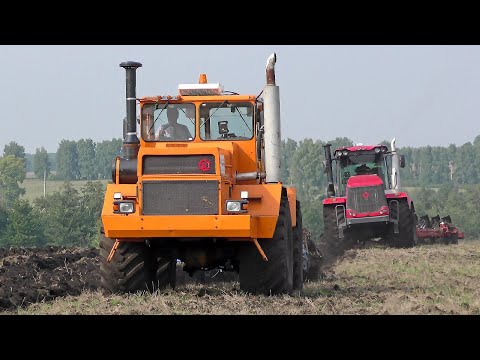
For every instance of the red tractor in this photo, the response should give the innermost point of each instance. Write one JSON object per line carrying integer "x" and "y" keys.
{"x": 363, "y": 199}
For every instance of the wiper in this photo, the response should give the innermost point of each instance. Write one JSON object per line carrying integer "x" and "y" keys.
{"x": 166, "y": 104}
{"x": 248, "y": 127}
{"x": 224, "y": 101}
{"x": 193, "y": 122}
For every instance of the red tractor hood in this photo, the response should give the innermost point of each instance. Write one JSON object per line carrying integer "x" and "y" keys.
{"x": 364, "y": 180}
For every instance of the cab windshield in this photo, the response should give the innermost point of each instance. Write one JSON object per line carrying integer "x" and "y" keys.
{"x": 168, "y": 122}
{"x": 362, "y": 164}
{"x": 226, "y": 121}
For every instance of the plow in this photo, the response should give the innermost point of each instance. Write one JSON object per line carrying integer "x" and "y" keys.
{"x": 437, "y": 230}
{"x": 312, "y": 258}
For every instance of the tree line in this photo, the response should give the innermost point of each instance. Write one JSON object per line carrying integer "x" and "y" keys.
{"x": 447, "y": 182}
{"x": 67, "y": 217}
{"x": 75, "y": 160}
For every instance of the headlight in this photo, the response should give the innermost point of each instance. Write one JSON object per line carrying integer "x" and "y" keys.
{"x": 235, "y": 206}
{"x": 377, "y": 150}
{"x": 125, "y": 207}
{"x": 351, "y": 213}
{"x": 345, "y": 152}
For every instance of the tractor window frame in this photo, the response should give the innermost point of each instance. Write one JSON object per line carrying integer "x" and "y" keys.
{"x": 147, "y": 120}
{"x": 243, "y": 122}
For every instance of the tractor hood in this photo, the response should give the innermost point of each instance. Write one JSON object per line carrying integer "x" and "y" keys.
{"x": 364, "y": 180}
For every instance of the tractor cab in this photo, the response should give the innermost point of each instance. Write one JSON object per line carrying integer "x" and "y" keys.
{"x": 362, "y": 161}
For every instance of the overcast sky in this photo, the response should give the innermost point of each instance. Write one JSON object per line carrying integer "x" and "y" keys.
{"x": 422, "y": 95}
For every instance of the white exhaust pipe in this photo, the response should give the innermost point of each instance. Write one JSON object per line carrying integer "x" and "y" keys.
{"x": 271, "y": 98}
{"x": 395, "y": 167}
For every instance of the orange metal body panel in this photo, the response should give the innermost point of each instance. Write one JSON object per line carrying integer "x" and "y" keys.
{"x": 258, "y": 222}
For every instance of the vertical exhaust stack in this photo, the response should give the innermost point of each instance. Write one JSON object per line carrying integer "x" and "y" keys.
{"x": 328, "y": 168}
{"x": 131, "y": 143}
{"x": 395, "y": 167}
{"x": 271, "y": 98}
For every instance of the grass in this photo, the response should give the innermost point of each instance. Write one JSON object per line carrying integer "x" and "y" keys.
{"x": 433, "y": 279}
{"x": 34, "y": 187}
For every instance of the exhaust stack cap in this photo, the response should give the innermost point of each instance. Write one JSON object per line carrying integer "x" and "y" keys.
{"x": 270, "y": 69}
{"x": 130, "y": 65}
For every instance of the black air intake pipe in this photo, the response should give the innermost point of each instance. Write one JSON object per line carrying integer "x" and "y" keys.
{"x": 328, "y": 168}
{"x": 131, "y": 143}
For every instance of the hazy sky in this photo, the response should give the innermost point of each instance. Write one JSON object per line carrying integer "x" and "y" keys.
{"x": 422, "y": 95}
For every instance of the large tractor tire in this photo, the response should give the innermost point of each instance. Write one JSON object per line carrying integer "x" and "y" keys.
{"x": 274, "y": 276}
{"x": 407, "y": 227}
{"x": 334, "y": 246}
{"x": 166, "y": 273}
{"x": 298, "y": 251}
{"x": 129, "y": 270}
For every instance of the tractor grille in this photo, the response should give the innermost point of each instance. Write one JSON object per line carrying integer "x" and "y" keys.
{"x": 178, "y": 164}
{"x": 366, "y": 198}
{"x": 180, "y": 197}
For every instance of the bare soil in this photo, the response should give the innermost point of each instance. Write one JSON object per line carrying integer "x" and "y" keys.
{"x": 31, "y": 275}
{"x": 433, "y": 279}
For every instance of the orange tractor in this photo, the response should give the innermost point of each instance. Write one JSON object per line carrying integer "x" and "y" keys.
{"x": 201, "y": 184}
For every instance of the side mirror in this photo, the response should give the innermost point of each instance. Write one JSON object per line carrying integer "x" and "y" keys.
{"x": 325, "y": 167}
{"x": 402, "y": 161}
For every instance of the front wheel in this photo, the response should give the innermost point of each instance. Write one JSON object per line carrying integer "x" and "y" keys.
{"x": 407, "y": 227}
{"x": 129, "y": 270}
{"x": 334, "y": 245}
{"x": 274, "y": 276}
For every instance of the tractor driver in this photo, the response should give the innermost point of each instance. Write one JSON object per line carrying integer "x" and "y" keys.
{"x": 362, "y": 169}
{"x": 173, "y": 130}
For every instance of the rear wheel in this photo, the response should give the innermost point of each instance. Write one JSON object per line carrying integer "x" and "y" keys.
{"x": 298, "y": 251}
{"x": 274, "y": 276}
{"x": 407, "y": 227}
{"x": 129, "y": 270}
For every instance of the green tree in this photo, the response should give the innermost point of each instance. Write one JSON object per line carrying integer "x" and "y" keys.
{"x": 14, "y": 149}
{"x": 67, "y": 160}
{"x": 425, "y": 166}
{"x": 24, "y": 227}
{"x": 86, "y": 159}
{"x": 3, "y": 225}
{"x": 41, "y": 163}
{"x": 60, "y": 213}
{"x": 72, "y": 218}
{"x": 467, "y": 162}
{"x": 106, "y": 151}
{"x": 12, "y": 172}
{"x": 289, "y": 147}
{"x": 339, "y": 142}
{"x": 91, "y": 203}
